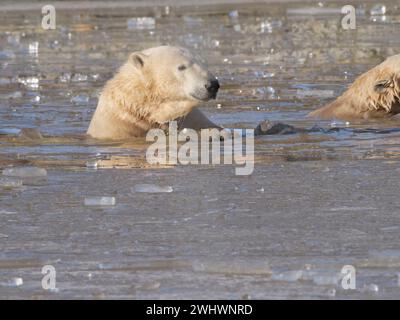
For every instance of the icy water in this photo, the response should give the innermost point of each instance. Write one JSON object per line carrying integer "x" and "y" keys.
{"x": 315, "y": 202}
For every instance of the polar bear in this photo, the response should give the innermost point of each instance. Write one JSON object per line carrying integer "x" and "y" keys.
{"x": 374, "y": 94}
{"x": 153, "y": 87}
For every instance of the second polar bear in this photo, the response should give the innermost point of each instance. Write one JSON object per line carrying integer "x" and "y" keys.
{"x": 374, "y": 94}
{"x": 153, "y": 87}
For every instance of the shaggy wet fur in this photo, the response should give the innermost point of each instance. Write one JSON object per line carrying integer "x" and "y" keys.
{"x": 374, "y": 94}
{"x": 146, "y": 93}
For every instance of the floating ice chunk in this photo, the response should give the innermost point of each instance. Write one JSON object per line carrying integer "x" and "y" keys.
{"x": 326, "y": 279}
{"x": 270, "y": 90}
{"x": 82, "y": 98}
{"x": 65, "y": 77}
{"x": 79, "y": 77}
{"x": 331, "y": 293}
{"x": 216, "y": 43}
{"x": 35, "y": 99}
{"x": 378, "y": 9}
{"x": 316, "y": 93}
{"x": 92, "y": 164}
{"x": 378, "y": 18}
{"x": 99, "y": 201}
{"x": 152, "y": 285}
{"x": 287, "y": 276}
{"x": 33, "y": 48}
{"x": 313, "y": 11}
{"x": 30, "y": 82}
{"x": 141, "y": 23}
{"x": 192, "y": 20}
{"x": 269, "y": 26}
{"x": 14, "y": 282}
{"x": 10, "y": 131}
{"x": 54, "y": 44}
{"x": 233, "y": 267}
{"x": 152, "y": 188}
{"x": 339, "y": 124}
{"x": 234, "y": 14}
{"x": 264, "y": 75}
{"x": 370, "y": 288}
{"x": 95, "y": 76}
{"x": 25, "y": 172}
{"x": 7, "y": 182}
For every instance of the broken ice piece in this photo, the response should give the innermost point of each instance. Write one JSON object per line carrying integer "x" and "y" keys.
{"x": 152, "y": 188}
{"x": 7, "y": 182}
{"x": 370, "y": 288}
{"x": 326, "y": 279}
{"x": 233, "y": 14}
{"x": 233, "y": 267}
{"x": 99, "y": 201}
{"x": 23, "y": 172}
{"x": 378, "y": 9}
{"x": 141, "y": 23}
{"x": 287, "y": 276}
{"x": 92, "y": 164}
{"x": 14, "y": 282}
{"x": 82, "y": 98}
{"x": 10, "y": 131}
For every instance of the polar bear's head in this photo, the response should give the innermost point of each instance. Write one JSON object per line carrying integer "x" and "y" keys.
{"x": 374, "y": 94}
{"x": 377, "y": 91}
{"x": 175, "y": 74}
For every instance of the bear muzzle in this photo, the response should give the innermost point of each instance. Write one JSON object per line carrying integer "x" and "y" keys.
{"x": 212, "y": 87}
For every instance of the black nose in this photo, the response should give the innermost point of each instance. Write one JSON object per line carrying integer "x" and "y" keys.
{"x": 212, "y": 85}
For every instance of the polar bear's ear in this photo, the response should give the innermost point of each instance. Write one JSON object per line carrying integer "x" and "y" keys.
{"x": 382, "y": 85}
{"x": 137, "y": 59}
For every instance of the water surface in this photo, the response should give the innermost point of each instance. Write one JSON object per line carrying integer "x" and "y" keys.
{"x": 315, "y": 202}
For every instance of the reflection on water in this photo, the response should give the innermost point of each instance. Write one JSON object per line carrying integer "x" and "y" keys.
{"x": 274, "y": 62}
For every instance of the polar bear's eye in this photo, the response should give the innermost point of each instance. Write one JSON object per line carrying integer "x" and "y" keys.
{"x": 181, "y": 67}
